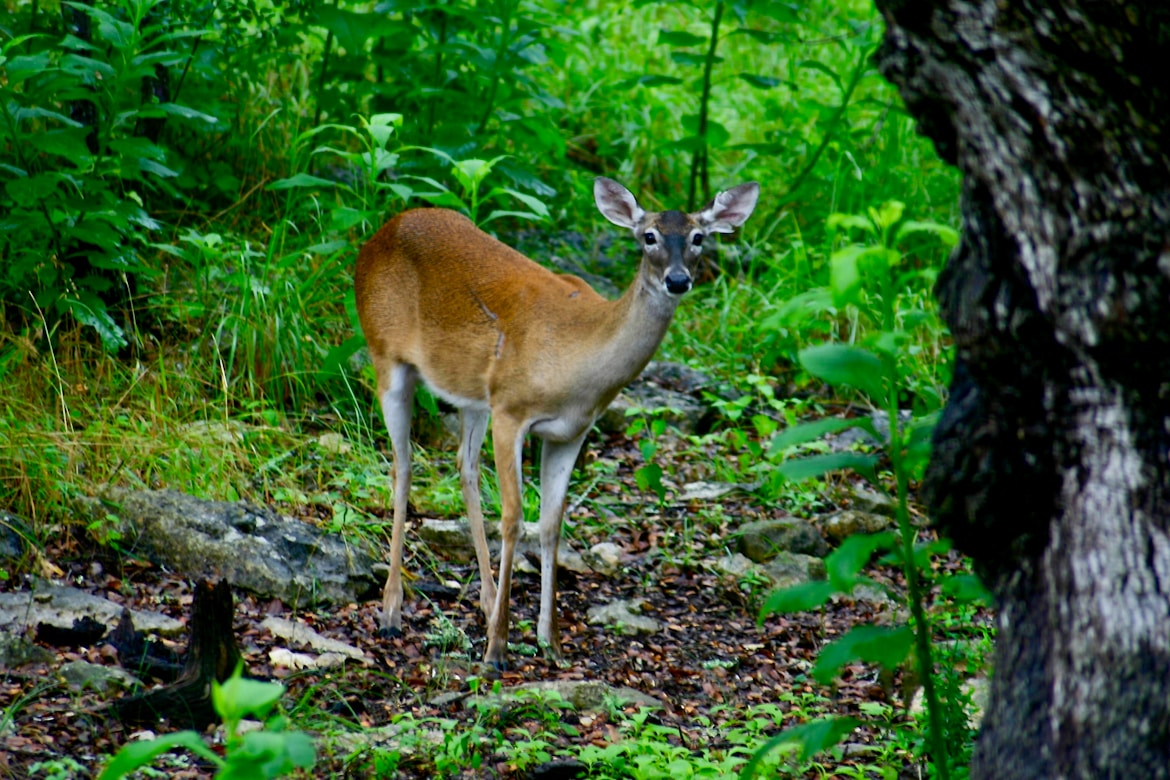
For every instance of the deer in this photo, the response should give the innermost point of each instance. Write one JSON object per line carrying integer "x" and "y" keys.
{"x": 531, "y": 352}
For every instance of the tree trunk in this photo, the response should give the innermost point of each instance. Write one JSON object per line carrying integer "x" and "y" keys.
{"x": 1052, "y": 459}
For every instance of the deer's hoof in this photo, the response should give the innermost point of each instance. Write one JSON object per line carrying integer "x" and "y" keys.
{"x": 389, "y": 632}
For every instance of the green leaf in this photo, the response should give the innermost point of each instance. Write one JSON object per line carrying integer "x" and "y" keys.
{"x": 946, "y": 234}
{"x": 135, "y": 755}
{"x": 798, "y": 598}
{"x": 886, "y": 646}
{"x": 844, "y": 564}
{"x": 812, "y": 737}
{"x": 89, "y": 310}
{"x": 649, "y": 478}
{"x": 690, "y": 58}
{"x": 760, "y": 82}
{"x": 301, "y": 180}
{"x": 821, "y": 67}
{"x": 186, "y": 112}
{"x": 677, "y": 38}
{"x": 33, "y": 188}
{"x": 800, "y": 469}
{"x": 966, "y": 588}
{"x": 237, "y": 697}
{"x": 806, "y": 432}
{"x": 652, "y": 80}
{"x": 839, "y": 364}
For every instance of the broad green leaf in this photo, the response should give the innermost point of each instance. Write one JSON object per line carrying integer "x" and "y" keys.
{"x": 812, "y": 737}
{"x": 690, "y": 58}
{"x": 654, "y": 80}
{"x": 237, "y": 697}
{"x": 800, "y": 469}
{"x": 838, "y": 221}
{"x": 887, "y": 214}
{"x": 300, "y": 180}
{"x": 798, "y": 598}
{"x": 649, "y": 478}
{"x": 89, "y": 310}
{"x": 760, "y": 82}
{"x": 186, "y": 112}
{"x": 68, "y": 143}
{"x": 886, "y": 646}
{"x": 28, "y": 191}
{"x": 135, "y": 755}
{"x": 821, "y": 67}
{"x": 806, "y": 432}
{"x": 967, "y": 588}
{"x": 844, "y": 564}
{"x": 839, "y": 364}
{"x": 845, "y": 275}
{"x": 947, "y": 235}
{"x": 679, "y": 38}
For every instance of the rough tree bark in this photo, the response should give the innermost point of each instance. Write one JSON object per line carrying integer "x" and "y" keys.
{"x": 1052, "y": 459}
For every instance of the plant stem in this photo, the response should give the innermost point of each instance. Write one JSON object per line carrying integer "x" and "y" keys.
{"x": 699, "y": 160}
{"x": 922, "y": 632}
{"x": 505, "y": 41}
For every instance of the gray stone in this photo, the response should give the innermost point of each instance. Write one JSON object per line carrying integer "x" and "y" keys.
{"x": 624, "y": 616}
{"x": 789, "y": 569}
{"x": 79, "y": 675}
{"x": 587, "y": 695}
{"x": 762, "y": 540}
{"x": 60, "y": 605}
{"x": 252, "y": 547}
{"x": 839, "y": 526}
{"x": 16, "y": 650}
{"x": 874, "y": 502}
{"x": 605, "y": 558}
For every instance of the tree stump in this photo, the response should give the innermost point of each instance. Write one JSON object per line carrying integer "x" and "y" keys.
{"x": 211, "y": 655}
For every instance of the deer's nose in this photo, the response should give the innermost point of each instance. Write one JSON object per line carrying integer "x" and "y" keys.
{"x": 677, "y": 282}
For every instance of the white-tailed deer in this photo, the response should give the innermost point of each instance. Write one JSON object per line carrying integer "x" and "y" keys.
{"x": 495, "y": 334}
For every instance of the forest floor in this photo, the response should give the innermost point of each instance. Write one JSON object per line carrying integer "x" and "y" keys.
{"x": 711, "y": 663}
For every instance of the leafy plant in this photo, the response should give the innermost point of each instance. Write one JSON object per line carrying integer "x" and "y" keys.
{"x": 869, "y": 278}
{"x": 270, "y": 752}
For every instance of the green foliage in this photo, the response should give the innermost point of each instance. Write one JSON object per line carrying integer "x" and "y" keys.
{"x": 872, "y": 279}
{"x": 270, "y": 752}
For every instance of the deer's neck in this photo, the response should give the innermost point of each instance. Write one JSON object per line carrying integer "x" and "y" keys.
{"x": 639, "y": 322}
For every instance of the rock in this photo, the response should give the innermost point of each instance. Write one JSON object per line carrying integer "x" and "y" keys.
{"x": 874, "y": 502}
{"x": 839, "y": 526}
{"x": 79, "y": 675}
{"x": 334, "y": 443}
{"x": 14, "y": 537}
{"x": 16, "y": 650}
{"x": 605, "y": 558}
{"x": 762, "y": 540}
{"x": 709, "y": 491}
{"x": 783, "y": 571}
{"x": 60, "y": 605}
{"x": 678, "y": 409}
{"x": 292, "y": 631}
{"x": 252, "y": 547}
{"x": 624, "y": 616}
{"x": 586, "y": 695}
{"x": 788, "y": 569}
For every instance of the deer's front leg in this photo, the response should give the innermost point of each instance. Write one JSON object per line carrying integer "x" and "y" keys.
{"x": 556, "y": 467}
{"x": 472, "y": 427}
{"x": 508, "y": 440}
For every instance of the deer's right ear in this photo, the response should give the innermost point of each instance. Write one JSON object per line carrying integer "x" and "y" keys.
{"x": 617, "y": 204}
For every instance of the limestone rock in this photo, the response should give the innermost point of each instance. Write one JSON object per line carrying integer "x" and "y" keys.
{"x": 762, "y": 540}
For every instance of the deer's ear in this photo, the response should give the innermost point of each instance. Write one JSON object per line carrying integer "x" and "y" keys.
{"x": 617, "y": 204}
{"x": 728, "y": 210}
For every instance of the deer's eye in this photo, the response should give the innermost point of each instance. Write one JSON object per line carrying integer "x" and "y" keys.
{"x": 650, "y": 239}
{"x": 697, "y": 239}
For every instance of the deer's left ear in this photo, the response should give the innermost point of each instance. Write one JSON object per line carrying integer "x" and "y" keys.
{"x": 728, "y": 210}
